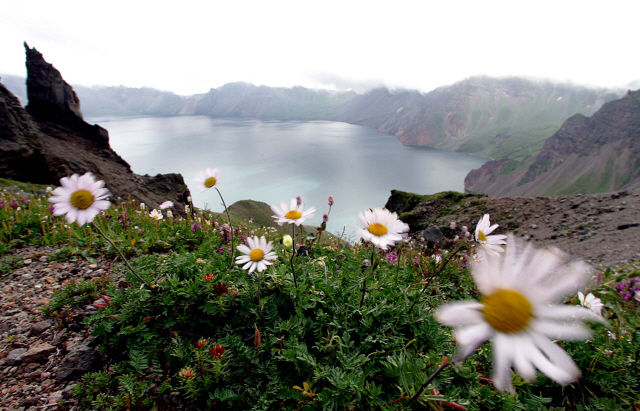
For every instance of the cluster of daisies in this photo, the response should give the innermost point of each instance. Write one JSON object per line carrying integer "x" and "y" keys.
{"x": 521, "y": 287}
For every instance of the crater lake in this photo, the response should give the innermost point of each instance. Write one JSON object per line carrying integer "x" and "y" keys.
{"x": 273, "y": 161}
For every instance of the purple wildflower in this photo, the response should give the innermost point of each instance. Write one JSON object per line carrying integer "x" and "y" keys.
{"x": 325, "y": 217}
{"x": 330, "y": 199}
{"x": 621, "y": 286}
{"x": 392, "y": 257}
{"x": 626, "y": 296}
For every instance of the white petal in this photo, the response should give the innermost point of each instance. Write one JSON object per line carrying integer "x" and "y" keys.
{"x": 555, "y": 363}
{"x": 561, "y": 331}
{"x": 460, "y": 313}
{"x": 502, "y": 354}
{"x": 471, "y": 337}
{"x": 567, "y": 313}
{"x": 243, "y": 249}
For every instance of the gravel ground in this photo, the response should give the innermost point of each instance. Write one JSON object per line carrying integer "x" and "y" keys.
{"x": 602, "y": 229}
{"x": 50, "y": 359}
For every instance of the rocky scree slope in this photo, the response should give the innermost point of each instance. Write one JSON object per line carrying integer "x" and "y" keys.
{"x": 49, "y": 140}
{"x": 602, "y": 229}
{"x": 586, "y": 155}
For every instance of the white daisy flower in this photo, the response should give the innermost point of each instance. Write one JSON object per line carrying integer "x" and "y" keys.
{"x": 80, "y": 198}
{"x": 591, "y": 302}
{"x": 156, "y": 215}
{"x": 256, "y": 255}
{"x": 207, "y": 179}
{"x": 169, "y": 214}
{"x": 166, "y": 204}
{"x": 293, "y": 214}
{"x": 489, "y": 242}
{"x": 382, "y": 227}
{"x": 519, "y": 313}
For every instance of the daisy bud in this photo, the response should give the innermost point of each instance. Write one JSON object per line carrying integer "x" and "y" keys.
{"x": 452, "y": 225}
{"x": 257, "y": 339}
{"x": 330, "y": 199}
{"x": 189, "y": 199}
{"x": 465, "y": 229}
{"x": 298, "y": 200}
{"x": 287, "y": 240}
{"x": 325, "y": 217}
{"x": 49, "y": 189}
{"x": 187, "y": 209}
{"x": 467, "y": 234}
{"x": 169, "y": 214}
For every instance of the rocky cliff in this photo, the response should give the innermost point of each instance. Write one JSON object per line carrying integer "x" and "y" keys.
{"x": 586, "y": 155}
{"x": 49, "y": 140}
{"x": 498, "y": 118}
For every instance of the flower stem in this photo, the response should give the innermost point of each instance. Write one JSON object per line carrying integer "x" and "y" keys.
{"x": 233, "y": 250}
{"x": 444, "y": 365}
{"x": 444, "y": 264}
{"x": 364, "y": 280}
{"x": 121, "y": 255}
{"x": 293, "y": 245}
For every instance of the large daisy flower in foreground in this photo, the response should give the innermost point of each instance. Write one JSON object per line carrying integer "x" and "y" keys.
{"x": 591, "y": 302}
{"x": 292, "y": 214}
{"x": 518, "y": 311}
{"x": 489, "y": 242}
{"x": 382, "y": 227}
{"x": 256, "y": 255}
{"x": 80, "y": 198}
{"x": 207, "y": 179}
{"x": 156, "y": 215}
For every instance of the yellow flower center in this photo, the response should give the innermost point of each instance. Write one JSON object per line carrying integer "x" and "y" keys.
{"x": 210, "y": 182}
{"x": 256, "y": 255}
{"x": 507, "y": 311}
{"x": 481, "y": 236}
{"x": 293, "y": 215}
{"x": 81, "y": 199}
{"x": 377, "y": 229}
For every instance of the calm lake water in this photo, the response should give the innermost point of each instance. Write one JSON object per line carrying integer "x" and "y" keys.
{"x": 271, "y": 161}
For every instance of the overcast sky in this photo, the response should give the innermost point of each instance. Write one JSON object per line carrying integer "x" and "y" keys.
{"x": 188, "y": 47}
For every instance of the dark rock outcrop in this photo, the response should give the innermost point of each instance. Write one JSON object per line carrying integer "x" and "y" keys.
{"x": 48, "y": 93}
{"x": 50, "y": 140}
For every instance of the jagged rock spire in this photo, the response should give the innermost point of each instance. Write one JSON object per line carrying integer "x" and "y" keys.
{"x": 46, "y": 89}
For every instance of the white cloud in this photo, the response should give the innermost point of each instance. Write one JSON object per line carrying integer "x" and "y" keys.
{"x": 189, "y": 46}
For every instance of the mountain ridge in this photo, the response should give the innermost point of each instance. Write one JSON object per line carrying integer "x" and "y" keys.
{"x": 491, "y": 117}
{"x": 586, "y": 155}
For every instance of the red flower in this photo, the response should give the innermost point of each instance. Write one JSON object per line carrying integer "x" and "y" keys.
{"x": 220, "y": 289}
{"x": 208, "y": 277}
{"x": 217, "y": 351}
{"x": 201, "y": 343}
